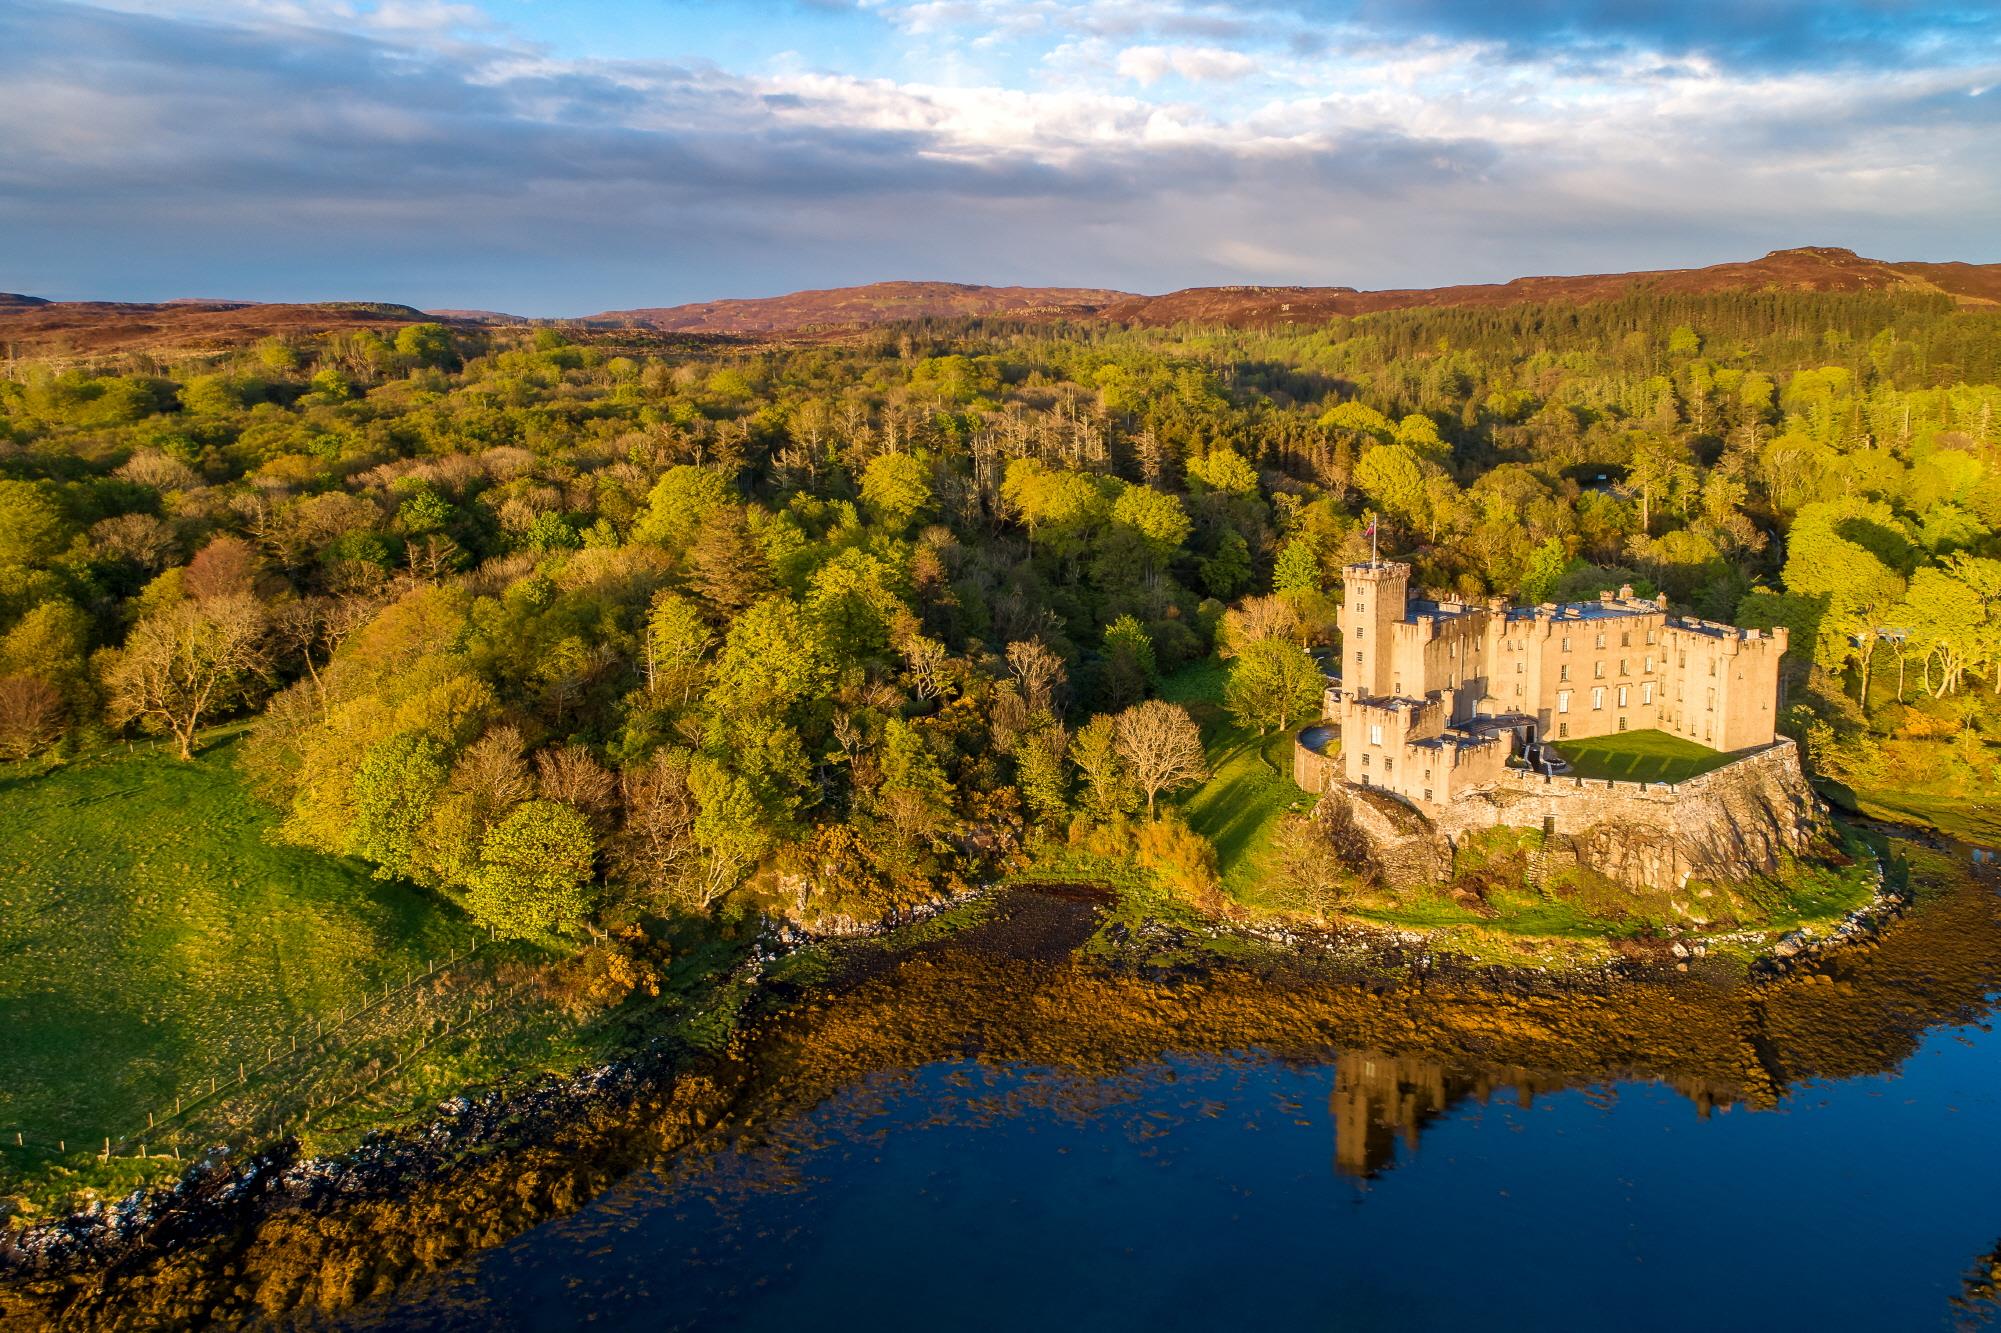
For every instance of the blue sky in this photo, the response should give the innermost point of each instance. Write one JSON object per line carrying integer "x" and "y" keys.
{"x": 558, "y": 157}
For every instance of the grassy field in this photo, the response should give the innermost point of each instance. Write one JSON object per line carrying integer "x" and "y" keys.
{"x": 153, "y": 936}
{"x": 1251, "y": 778}
{"x": 1972, "y": 819}
{"x": 1640, "y": 756}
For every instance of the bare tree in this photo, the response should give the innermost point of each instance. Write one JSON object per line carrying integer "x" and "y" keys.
{"x": 657, "y": 842}
{"x": 179, "y": 666}
{"x": 1256, "y": 619}
{"x": 926, "y": 659}
{"x": 31, "y": 715}
{"x": 1040, "y": 673}
{"x": 1162, "y": 747}
{"x": 572, "y": 776}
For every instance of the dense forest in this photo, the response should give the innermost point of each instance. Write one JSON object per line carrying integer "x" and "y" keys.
{"x": 579, "y": 628}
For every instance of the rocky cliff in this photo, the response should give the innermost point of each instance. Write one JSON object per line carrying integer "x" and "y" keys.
{"x": 1728, "y": 825}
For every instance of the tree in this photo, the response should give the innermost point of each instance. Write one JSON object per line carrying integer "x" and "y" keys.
{"x": 1298, "y": 566}
{"x": 680, "y": 504}
{"x": 395, "y": 786}
{"x": 1224, "y": 470}
{"x": 1254, "y": 620}
{"x": 1039, "y": 673}
{"x": 1273, "y": 682}
{"x": 1393, "y": 478}
{"x": 1161, "y": 746}
{"x": 1129, "y": 659}
{"x": 535, "y": 870}
{"x": 32, "y": 529}
{"x": 677, "y": 639}
{"x": 186, "y": 662}
{"x": 897, "y": 487}
{"x": 731, "y": 829}
{"x": 31, "y": 715}
{"x": 1109, "y": 791}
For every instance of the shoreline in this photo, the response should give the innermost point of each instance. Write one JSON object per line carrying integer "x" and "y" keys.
{"x": 227, "y": 1193}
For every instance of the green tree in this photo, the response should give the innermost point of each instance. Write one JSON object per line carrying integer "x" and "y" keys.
{"x": 535, "y": 871}
{"x": 1224, "y": 470}
{"x": 1393, "y": 479}
{"x": 395, "y": 786}
{"x": 1272, "y": 682}
{"x": 1298, "y": 566}
{"x": 680, "y": 503}
{"x": 897, "y": 487}
{"x": 32, "y": 528}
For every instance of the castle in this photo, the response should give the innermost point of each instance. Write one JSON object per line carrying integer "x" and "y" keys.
{"x": 1437, "y": 697}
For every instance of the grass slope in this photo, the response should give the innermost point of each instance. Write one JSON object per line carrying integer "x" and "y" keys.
{"x": 1640, "y": 756}
{"x": 152, "y": 936}
{"x": 1250, "y": 785}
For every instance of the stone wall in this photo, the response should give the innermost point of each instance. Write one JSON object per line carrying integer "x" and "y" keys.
{"x": 1728, "y": 824}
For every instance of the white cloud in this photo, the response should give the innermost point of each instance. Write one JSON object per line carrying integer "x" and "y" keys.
{"x": 1197, "y": 64}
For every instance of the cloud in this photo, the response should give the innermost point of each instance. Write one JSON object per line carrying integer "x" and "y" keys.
{"x": 1198, "y": 64}
{"x": 257, "y": 149}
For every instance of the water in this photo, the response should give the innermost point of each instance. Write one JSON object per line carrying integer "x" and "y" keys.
{"x": 1352, "y": 1192}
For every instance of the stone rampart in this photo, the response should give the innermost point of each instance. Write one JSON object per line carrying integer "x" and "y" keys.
{"x": 1728, "y": 824}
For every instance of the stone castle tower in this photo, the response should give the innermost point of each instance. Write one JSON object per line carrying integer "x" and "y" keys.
{"x": 1376, "y": 596}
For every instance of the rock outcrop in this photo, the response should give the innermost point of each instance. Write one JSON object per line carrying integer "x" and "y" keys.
{"x": 1742, "y": 820}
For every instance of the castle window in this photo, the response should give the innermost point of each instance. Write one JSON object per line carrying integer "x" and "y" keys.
{"x": 1562, "y": 730}
{"x": 1563, "y": 672}
{"x": 1650, "y": 664}
{"x": 1359, "y": 608}
{"x": 1712, "y": 666}
{"x": 1597, "y": 671}
{"x": 1650, "y": 636}
{"x": 1712, "y": 701}
{"x": 1566, "y": 643}
{"x": 1622, "y": 724}
{"x": 1427, "y": 793}
{"x": 1622, "y": 702}
{"x": 1601, "y": 641}
{"x": 1598, "y": 698}
{"x": 1389, "y": 764}
{"x": 1520, "y": 667}
{"x": 1375, "y": 738}
{"x": 1647, "y": 693}
{"x": 1623, "y": 670}
{"x": 1684, "y": 659}
{"x": 1518, "y": 689}
{"x": 1361, "y": 631}
{"x": 1625, "y": 638}
{"x": 1358, "y": 655}
{"x": 1563, "y": 701}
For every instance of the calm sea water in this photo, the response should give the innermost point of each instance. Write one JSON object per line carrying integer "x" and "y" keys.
{"x": 1355, "y": 1193}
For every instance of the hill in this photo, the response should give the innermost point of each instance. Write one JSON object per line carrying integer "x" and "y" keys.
{"x": 875, "y": 303}
{"x": 30, "y": 326}
{"x": 1810, "y": 269}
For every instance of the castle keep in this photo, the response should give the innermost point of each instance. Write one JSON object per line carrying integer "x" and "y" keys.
{"x": 1437, "y": 696}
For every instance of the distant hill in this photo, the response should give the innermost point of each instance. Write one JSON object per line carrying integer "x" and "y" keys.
{"x": 30, "y": 326}
{"x": 875, "y": 303}
{"x": 1810, "y": 268}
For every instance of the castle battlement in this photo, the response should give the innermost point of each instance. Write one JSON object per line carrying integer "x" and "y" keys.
{"x": 1438, "y": 694}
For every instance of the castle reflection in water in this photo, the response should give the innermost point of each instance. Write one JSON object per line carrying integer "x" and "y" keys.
{"x": 1381, "y": 1102}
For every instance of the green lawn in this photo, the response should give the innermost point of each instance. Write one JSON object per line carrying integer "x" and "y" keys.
{"x": 1640, "y": 756}
{"x": 1251, "y": 784}
{"x": 153, "y": 935}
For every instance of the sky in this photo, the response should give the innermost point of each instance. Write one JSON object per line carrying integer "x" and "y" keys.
{"x": 561, "y": 157}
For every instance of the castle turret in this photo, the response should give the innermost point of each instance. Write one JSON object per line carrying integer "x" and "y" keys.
{"x": 1375, "y": 597}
